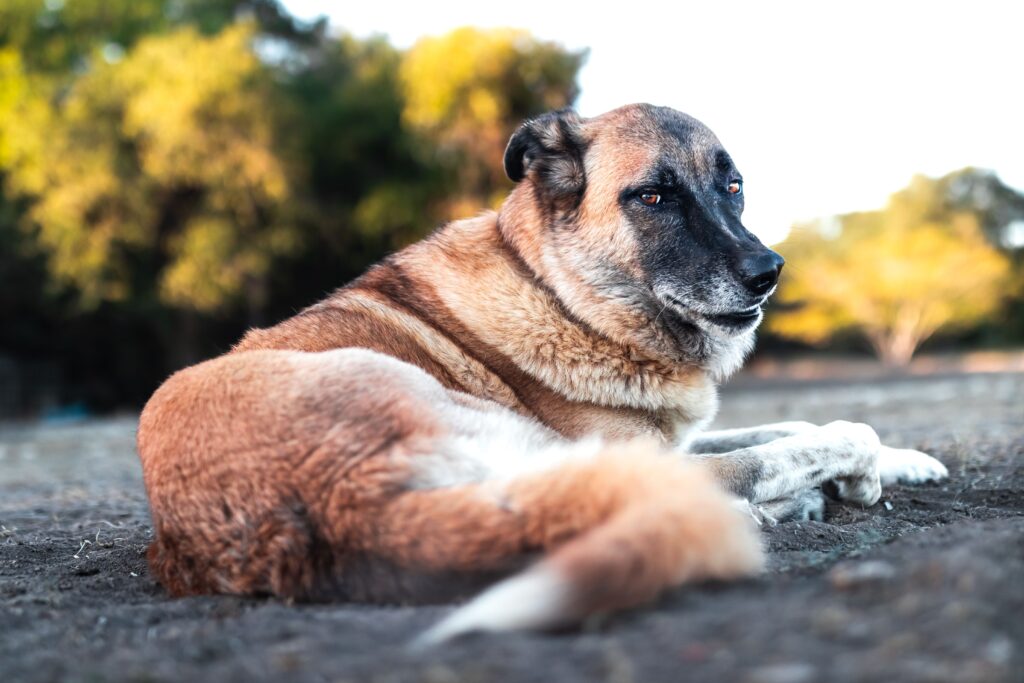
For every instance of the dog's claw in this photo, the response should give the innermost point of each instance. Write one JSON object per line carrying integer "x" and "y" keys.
{"x": 756, "y": 513}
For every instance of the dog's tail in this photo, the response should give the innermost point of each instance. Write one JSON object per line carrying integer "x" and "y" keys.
{"x": 618, "y": 529}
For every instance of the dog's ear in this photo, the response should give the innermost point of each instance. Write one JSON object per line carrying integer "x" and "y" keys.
{"x": 551, "y": 148}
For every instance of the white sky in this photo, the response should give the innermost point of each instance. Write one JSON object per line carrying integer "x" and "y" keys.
{"x": 825, "y": 107}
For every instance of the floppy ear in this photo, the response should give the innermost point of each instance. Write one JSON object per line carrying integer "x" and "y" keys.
{"x": 551, "y": 148}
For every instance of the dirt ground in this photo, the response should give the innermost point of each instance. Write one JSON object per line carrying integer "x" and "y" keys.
{"x": 928, "y": 585}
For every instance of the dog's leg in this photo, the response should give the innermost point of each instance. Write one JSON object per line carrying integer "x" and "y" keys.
{"x": 725, "y": 440}
{"x": 808, "y": 504}
{"x": 841, "y": 452}
{"x": 895, "y": 465}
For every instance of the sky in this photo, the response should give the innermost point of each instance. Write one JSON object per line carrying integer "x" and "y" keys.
{"x": 825, "y": 107}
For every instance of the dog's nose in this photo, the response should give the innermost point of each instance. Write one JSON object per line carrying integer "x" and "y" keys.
{"x": 759, "y": 272}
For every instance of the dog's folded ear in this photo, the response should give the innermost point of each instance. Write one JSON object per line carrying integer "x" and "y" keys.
{"x": 551, "y": 148}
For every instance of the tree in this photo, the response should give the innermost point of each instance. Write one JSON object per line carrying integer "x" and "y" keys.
{"x": 60, "y": 38}
{"x": 467, "y": 90}
{"x": 168, "y": 157}
{"x": 373, "y": 192}
{"x": 997, "y": 206}
{"x": 1000, "y": 211}
{"x": 896, "y": 276}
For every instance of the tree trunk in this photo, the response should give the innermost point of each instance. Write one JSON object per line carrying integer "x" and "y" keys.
{"x": 895, "y": 345}
{"x": 896, "y": 351}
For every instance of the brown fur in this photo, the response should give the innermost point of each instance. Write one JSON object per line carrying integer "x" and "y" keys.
{"x": 425, "y": 306}
{"x": 284, "y": 467}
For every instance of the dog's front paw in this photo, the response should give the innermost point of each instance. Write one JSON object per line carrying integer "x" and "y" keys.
{"x": 858, "y": 446}
{"x": 861, "y": 489}
{"x": 907, "y": 466}
{"x": 854, "y": 438}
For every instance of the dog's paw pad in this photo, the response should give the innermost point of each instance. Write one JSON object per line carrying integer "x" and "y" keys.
{"x": 907, "y": 466}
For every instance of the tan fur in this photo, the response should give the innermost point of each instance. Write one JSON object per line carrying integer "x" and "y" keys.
{"x": 288, "y": 466}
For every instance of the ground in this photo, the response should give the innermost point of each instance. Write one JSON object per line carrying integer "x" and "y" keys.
{"x": 928, "y": 585}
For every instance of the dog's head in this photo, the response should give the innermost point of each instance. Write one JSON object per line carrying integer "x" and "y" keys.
{"x": 634, "y": 219}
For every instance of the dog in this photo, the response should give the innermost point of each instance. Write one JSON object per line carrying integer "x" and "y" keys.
{"x": 516, "y": 404}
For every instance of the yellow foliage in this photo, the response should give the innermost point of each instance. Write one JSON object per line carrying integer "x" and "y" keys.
{"x": 174, "y": 155}
{"x": 446, "y": 78}
{"x": 196, "y": 108}
{"x": 182, "y": 115}
{"x": 896, "y": 275}
{"x": 24, "y": 120}
{"x": 467, "y": 90}
{"x": 211, "y": 264}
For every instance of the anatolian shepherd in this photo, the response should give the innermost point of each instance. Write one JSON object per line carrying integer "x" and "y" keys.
{"x": 516, "y": 402}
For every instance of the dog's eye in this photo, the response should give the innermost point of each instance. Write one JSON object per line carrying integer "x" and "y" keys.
{"x": 735, "y": 187}
{"x": 650, "y": 198}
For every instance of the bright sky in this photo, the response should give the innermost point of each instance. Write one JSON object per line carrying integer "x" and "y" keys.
{"x": 825, "y": 108}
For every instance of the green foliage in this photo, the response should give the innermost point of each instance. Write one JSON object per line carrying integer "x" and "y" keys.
{"x": 171, "y": 170}
{"x": 368, "y": 184}
{"x": 57, "y": 37}
{"x": 897, "y": 275}
{"x": 177, "y": 137}
{"x": 60, "y": 38}
{"x": 983, "y": 194}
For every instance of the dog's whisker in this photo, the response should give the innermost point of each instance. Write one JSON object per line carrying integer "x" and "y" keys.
{"x": 664, "y": 305}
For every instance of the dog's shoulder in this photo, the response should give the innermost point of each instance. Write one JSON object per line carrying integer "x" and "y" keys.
{"x": 463, "y": 307}
{"x": 504, "y": 312}
{"x": 394, "y": 309}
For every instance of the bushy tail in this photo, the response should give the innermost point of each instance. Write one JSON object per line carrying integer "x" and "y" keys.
{"x": 617, "y": 530}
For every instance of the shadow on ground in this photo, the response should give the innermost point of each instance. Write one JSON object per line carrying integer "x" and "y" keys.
{"x": 926, "y": 586}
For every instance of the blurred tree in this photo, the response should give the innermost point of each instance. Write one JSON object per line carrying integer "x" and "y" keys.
{"x": 166, "y": 158}
{"x": 998, "y": 207}
{"x": 896, "y": 275}
{"x": 57, "y": 123}
{"x": 466, "y": 92}
{"x": 1000, "y": 211}
{"x": 62, "y": 37}
{"x": 372, "y": 191}
{"x": 173, "y": 170}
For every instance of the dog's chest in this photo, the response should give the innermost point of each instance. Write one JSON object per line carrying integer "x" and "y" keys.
{"x": 688, "y": 410}
{"x": 673, "y": 413}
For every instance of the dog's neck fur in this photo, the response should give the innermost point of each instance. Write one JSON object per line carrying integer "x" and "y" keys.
{"x": 492, "y": 278}
{"x": 633, "y": 319}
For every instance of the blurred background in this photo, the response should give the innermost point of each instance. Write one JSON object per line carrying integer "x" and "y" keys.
{"x": 175, "y": 171}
